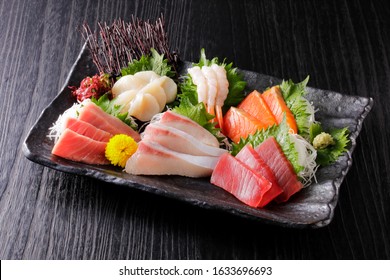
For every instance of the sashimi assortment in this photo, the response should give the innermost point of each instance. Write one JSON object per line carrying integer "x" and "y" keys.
{"x": 151, "y": 119}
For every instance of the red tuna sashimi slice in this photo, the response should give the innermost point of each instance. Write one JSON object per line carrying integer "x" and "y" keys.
{"x": 273, "y": 156}
{"x": 77, "y": 147}
{"x": 154, "y": 159}
{"x": 249, "y": 157}
{"x": 187, "y": 125}
{"x": 93, "y": 114}
{"x": 238, "y": 179}
{"x": 179, "y": 141}
{"x": 87, "y": 130}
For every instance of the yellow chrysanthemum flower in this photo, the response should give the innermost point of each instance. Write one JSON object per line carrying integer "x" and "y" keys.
{"x": 120, "y": 148}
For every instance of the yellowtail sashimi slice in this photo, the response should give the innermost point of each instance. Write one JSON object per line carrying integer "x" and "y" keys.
{"x": 187, "y": 125}
{"x": 154, "y": 159}
{"x": 179, "y": 141}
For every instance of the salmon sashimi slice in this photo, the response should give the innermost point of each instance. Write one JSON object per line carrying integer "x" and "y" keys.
{"x": 93, "y": 114}
{"x": 77, "y": 147}
{"x": 238, "y": 179}
{"x": 179, "y": 141}
{"x": 271, "y": 153}
{"x": 239, "y": 124}
{"x": 274, "y": 99}
{"x": 187, "y": 125}
{"x": 255, "y": 106}
{"x": 87, "y": 130}
{"x": 153, "y": 159}
{"x": 249, "y": 157}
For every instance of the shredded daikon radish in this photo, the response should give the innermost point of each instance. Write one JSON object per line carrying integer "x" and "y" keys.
{"x": 58, "y": 127}
{"x": 306, "y": 158}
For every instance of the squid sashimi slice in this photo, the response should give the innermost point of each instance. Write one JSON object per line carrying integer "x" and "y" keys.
{"x": 179, "y": 141}
{"x": 154, "y": 159}
{"x": 77, "y": 147}
{"x": 127, "y": 82}
{"x": 273, "y": 156}
{"x": 93, "y": 114}
{"x": 238, "y": 179}
{"x": 248, "y": 156}
{"x": 87, "y": 130}
{"x": 154, "y": 88}
{"x": 187, "y": 125}
{"x": 144, "y": 107}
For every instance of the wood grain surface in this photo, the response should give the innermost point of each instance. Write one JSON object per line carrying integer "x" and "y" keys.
{"x": 44, "y": 214}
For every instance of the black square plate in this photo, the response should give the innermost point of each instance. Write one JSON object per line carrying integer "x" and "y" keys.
{"x": 311, "y": 207}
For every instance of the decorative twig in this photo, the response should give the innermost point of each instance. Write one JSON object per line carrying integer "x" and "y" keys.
{"x": 114, "y": 46}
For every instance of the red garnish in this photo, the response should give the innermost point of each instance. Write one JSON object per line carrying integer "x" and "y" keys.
{"x": 94, "y": 86}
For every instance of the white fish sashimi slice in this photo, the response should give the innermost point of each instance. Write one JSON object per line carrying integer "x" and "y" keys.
{"x": 187, "y": 125}
{"x": 124, "y": 99}
{"x": 212, "y": 85}
{"x": 154, "y": 88}
{"x": 127, "y": 82}
{"x": 144, "y": 106}
{"x": 223, "y": 84}
{"x": 179, "y": 141}
{"x": 154, "y": 159}
{"x": 169, "y": 87}
{"x": 201, "y": 83}
{"x": 147, "y": 76}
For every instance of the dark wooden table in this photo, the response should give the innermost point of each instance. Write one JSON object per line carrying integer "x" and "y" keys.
{"x": 46, "y": 214}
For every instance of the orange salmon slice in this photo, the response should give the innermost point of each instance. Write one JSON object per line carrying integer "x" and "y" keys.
{"x": 239, "y": 124}
{"x": 274, "y": 99}
{"x": 255, "y": 106}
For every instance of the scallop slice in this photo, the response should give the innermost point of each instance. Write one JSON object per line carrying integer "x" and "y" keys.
{"x": 127, "y": 82}
{"x": 124, "y": 99}
{"x": 144, "y": 106}
{"x": 147, "y": 76}
{"x": 169, "y": 87}
{"x": 154, "y": 88}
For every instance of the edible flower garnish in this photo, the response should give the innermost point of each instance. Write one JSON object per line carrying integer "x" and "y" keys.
{"x": 120, "y": 148}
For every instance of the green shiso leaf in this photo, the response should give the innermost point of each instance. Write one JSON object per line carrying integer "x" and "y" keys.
{"x": 153, "y": 62}
{"x": 302, "y": 110}
{"x": 198, "y": 113}
{"x": 281, "y": 134}
{"x": 331, "y": 153}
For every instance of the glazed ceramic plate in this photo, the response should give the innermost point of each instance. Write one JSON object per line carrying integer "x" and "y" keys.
{"x": 312, "y": 207}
